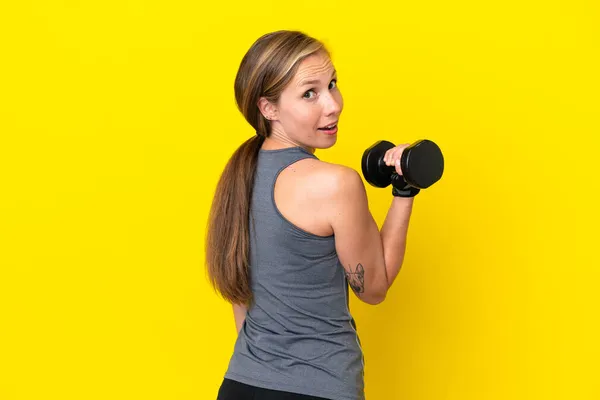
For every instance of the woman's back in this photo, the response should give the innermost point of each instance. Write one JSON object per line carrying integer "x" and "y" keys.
{"x": 298, "y": 335}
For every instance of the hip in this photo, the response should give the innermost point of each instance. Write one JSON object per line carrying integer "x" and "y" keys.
{"x": 234, "y": 390}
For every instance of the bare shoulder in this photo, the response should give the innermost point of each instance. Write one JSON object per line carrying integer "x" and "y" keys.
{"x": 312, "y": 193}
{"x": 330, "y": 180}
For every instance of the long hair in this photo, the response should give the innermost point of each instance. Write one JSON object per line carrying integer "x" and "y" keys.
{"x": 265, "y": 70}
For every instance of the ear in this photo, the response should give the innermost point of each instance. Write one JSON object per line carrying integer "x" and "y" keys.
{"x": 267, "y": 109}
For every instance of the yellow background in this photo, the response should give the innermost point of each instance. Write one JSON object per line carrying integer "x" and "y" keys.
{"x": 116, "y": 119}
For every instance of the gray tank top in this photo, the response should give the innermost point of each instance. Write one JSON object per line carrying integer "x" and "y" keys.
{"x": 298, "y": 335}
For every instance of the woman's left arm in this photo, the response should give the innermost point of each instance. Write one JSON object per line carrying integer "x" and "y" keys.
{"x": 239, "y": 314}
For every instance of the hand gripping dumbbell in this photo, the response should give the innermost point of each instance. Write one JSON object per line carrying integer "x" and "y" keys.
{"x": 422, "y": 164}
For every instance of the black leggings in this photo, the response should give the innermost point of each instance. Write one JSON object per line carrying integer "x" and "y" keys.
{"x": 234, "y": 390}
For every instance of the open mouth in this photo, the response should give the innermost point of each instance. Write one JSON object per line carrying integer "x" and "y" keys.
{"x": 329, "y": 127}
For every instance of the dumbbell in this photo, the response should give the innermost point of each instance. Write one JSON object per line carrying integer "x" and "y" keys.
{"x": 422, "y": 164}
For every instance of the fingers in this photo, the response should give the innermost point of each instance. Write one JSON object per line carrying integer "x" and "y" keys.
{"x": 392, "y": 157}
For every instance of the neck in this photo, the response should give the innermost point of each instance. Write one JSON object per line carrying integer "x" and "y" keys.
{"x": 278, "y": 140}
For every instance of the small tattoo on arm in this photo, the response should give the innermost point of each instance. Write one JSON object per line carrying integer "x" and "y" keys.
{"x": 356, "y": 278}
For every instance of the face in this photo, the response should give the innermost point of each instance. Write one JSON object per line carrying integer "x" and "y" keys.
{"x": 310, "y": 103}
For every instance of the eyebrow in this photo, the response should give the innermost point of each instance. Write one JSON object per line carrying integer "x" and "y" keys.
{"x": 314, "y": 81}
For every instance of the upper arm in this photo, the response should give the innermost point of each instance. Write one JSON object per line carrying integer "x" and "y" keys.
{"x": 357, "y": 239}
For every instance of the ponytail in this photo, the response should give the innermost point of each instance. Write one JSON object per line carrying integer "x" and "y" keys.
{"x": 265, "y": 71}
{"x": 228, "y": 238}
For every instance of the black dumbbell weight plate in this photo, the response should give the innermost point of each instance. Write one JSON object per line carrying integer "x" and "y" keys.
{"x": 422, "y": 164}
{"x": 374, "y": 169}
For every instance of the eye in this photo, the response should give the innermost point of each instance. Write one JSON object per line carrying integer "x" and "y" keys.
{"x": 307, "y": 95}
{"x": 307, "y": 92}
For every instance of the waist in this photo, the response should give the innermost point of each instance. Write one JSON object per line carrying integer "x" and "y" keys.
{"x": 327, "y": 364}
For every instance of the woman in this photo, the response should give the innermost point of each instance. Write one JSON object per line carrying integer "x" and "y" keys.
{"x": 287, "y": 232}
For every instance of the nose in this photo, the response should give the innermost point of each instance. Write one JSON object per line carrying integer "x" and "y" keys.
{"x": 332, "y": 105}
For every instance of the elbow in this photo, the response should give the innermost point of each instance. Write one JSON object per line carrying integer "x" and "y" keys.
{"x": 379, "y": 299}
{"x": 376, "y": 298}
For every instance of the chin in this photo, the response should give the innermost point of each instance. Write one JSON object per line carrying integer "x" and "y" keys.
{"x": 330, "y": 142}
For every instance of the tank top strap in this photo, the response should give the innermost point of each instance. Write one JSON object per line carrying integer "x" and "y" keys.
{"x": 272, "y": 162}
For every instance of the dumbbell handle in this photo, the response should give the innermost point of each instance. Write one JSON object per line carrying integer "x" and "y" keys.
{"x": 401, "y": 187}
{"x": 398, "y": 180}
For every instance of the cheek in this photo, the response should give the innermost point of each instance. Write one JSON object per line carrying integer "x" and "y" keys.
{"x": 303, "y": 115}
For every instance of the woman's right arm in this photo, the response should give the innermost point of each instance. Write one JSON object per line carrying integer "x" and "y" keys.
{"x": 371, "y": 259}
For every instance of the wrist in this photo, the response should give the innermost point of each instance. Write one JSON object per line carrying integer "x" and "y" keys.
{"x": 407, "y": 191}
{"x": 400, "y": 188}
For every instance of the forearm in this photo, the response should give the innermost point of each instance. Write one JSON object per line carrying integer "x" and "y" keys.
{"x": 393, "y": 235}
